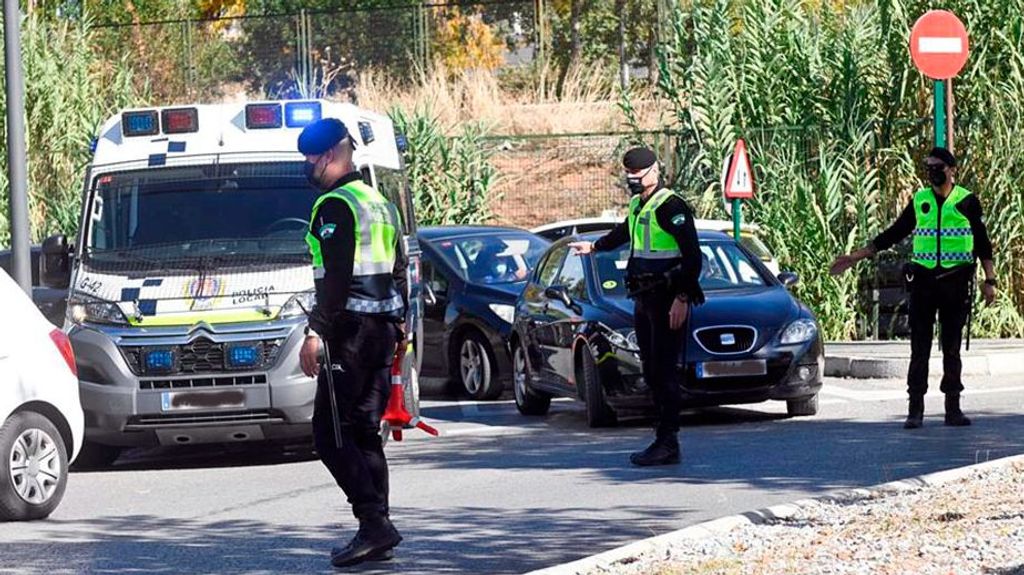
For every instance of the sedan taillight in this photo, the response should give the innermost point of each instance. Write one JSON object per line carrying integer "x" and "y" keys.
{"x": 60, "y": 339}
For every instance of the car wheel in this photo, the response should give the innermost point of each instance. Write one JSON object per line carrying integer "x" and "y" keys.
{"x": 476, "y": 369}
{"x": 598, "y": 412}
{"x": 34, "y": 469}
{"x": 96, "y": 456}
{"x": 805, "y": 406}
{"x": 528, "y": 400}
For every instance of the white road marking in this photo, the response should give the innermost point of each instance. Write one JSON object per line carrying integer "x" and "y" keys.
{"x": 894, "y": 394}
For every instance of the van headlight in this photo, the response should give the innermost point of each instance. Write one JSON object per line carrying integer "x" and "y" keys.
{"x": 298, "y": 305}
{"x": 799, "y": 331}
{"x": 506, "y": 312}
{"x": 624, "y": 339}
{"x": 87, "y": 309}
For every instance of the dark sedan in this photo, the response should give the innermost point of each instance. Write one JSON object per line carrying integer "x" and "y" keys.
{"x": 472, "y": 276}
{"x": 751, "y": 340}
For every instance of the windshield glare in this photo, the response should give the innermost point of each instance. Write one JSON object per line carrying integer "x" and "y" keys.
{"x": 255, "y": 209}
{"x": 493, "y": 259}
{"x": 725, "y": 266}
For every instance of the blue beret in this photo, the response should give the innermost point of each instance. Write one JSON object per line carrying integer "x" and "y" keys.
{"x": 321, "y": 135}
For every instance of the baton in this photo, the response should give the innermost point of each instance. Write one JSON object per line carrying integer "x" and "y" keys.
{"x": 335, "y": 417}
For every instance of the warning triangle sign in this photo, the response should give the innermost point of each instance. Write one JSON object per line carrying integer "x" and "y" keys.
{"x": 739, "y": 184}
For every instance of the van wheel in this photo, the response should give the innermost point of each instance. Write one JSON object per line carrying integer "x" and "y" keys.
{"x": 34, "y": 468}
{"x": 474, "y": 366}
{"x": 528, "y": 400}
{"x": 95, "y": 456}
{"x": 598, "y": 412}
{"x": 805, "y": 406}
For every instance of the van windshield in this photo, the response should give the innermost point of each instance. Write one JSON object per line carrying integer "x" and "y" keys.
{"x": 224, "y": 213}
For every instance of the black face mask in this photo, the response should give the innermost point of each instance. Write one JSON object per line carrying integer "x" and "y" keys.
{"x": 635, "y": 183}
{"x": 937, "y": 175}
{"x": 311, "y": 176}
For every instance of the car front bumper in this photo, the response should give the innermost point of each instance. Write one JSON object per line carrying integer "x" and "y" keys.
{"x": 123, "y": 409}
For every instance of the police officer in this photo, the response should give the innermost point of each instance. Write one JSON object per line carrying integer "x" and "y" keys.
{"x": 663, "y": 276}
{"x": 359, "y": 267}
{"x": 949, "y": 234}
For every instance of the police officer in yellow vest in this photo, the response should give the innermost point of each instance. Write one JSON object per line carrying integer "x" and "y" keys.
{"x": 359, "y": 268}
{"x": 949, "y": 234}
{"x": 663, "y": 272}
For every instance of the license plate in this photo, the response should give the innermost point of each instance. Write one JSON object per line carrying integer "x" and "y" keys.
{"x": 186, "y": 400}
{"x": 740, "y": 368}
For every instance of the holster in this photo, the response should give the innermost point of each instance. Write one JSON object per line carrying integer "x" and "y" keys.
{"x": 639, "y": 284}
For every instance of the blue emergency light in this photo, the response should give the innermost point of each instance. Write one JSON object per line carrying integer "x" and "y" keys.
{"x": 300, "y": 114}
{"x": 262, "y": 116}
{"x": 243, "y": 355}
{"x": 140, "y": 123}
{"x": 159, "y": 361}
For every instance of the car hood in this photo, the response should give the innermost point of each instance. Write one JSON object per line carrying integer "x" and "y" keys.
{"x": 769, "y": 309}
{"x": 496, "y": 293}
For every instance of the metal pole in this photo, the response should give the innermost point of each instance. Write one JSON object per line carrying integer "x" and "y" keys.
{"x": 949, "y": 114}
{"x": 737, "y": 217}
{"x": 17, "y": 168}
{"x": 940, "y": 113}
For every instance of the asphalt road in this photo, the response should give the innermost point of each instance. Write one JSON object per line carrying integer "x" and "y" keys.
{"x": 498, "y": 493}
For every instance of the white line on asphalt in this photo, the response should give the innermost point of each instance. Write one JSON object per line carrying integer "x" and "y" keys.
{"x": 894, "y": 394}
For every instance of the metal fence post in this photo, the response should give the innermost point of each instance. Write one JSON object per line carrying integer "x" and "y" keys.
{"x": 17, "y": 166}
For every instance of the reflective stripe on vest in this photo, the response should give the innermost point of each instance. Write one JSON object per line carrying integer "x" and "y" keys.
{"x": 377, "y": 226}
{"x": 946, "y": 229}
{"x": 648, "y": 239}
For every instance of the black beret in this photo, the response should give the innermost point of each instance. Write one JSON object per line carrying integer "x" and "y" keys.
{"x": 638, "y": 159}
{"x": 321, "y": 135}
{"x": 944, "y": 155}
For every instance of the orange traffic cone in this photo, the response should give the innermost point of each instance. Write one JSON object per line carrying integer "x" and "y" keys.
{"x": 395, "y": 414}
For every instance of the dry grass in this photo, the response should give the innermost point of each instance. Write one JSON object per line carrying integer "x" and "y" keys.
{"x": 587, "y": 102}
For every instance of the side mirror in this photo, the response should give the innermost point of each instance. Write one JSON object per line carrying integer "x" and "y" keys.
{"x": 789, "y": 279}
{"x": 55, "y": 263}
{"x": 429, "y": 297}
{"x": 559, "y": 293}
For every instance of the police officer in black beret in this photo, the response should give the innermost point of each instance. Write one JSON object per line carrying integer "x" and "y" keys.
{"x": 361, "y": 299}
{"x": 663, "y": 278}
{"x": 949, "y": 236}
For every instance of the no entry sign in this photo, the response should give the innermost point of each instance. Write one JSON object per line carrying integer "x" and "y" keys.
{"x": 939, "y": 45}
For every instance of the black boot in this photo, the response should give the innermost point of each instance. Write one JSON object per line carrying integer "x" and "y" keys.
{"x": 664, "y": 451}
{"x": 915, "y": 414}
{"x": 955, "y": 417}
{"x": 373, "y": 542}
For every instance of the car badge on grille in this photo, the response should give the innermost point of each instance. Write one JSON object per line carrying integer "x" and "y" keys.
{"x": 728, "y": 339}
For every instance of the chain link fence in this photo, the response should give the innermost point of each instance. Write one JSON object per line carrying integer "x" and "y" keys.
{"x": 316, "y": 53}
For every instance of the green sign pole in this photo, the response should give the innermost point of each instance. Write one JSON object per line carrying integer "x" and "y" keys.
{"x": 940, "y": 113}
{"x": 737, "y": 217}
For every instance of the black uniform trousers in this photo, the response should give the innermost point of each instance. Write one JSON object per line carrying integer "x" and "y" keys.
{"x": 660, "y": 349}
{"x": 361, "y": 355}
{"x": 948, "y": 294}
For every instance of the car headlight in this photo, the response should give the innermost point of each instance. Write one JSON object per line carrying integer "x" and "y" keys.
{"x": 799, "y": 331}
{"x": 83, "y": 308}
{"x": 298, "y": 305}
{"x": 506, "y": 312}
{"x": 624, "y": 339}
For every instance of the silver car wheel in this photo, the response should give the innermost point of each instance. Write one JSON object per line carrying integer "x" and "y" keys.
{"x": 472, "y": 365}
{"x": 35, "y": 467}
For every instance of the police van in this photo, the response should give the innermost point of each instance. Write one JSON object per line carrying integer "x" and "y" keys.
{"x": 190, "y": 276}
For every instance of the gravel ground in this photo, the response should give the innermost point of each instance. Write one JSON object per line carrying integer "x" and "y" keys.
{"x": 975, "y": 525}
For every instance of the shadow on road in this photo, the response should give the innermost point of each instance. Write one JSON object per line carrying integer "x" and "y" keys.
{"x": 472, "y": 540}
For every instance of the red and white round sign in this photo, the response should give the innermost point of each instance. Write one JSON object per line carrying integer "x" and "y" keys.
{"x": 939, "y": 44}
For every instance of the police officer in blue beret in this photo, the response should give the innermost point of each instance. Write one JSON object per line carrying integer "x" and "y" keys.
{"x": 361, "y": 302}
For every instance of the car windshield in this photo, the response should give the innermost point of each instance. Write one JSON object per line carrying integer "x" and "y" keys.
{"x": 725, "y": 266}
{"x": 233, "y": 213}
{"x": 493, "y": 259}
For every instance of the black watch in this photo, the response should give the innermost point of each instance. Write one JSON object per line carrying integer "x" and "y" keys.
{"x": 306, "y": 330}
{"x": 990, "y": 282}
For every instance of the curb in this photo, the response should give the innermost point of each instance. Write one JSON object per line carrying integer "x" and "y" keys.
{"x": 997, "y": 363}
{"x": 659, "y": 544}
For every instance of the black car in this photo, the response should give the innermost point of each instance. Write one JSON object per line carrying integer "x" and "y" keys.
{"x": 751, "y": 340}
{"x": 472, "y": 276}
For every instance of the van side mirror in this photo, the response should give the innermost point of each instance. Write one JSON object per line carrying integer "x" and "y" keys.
{"x": 789, "y": 279}
{"x": 55, "y": 263}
